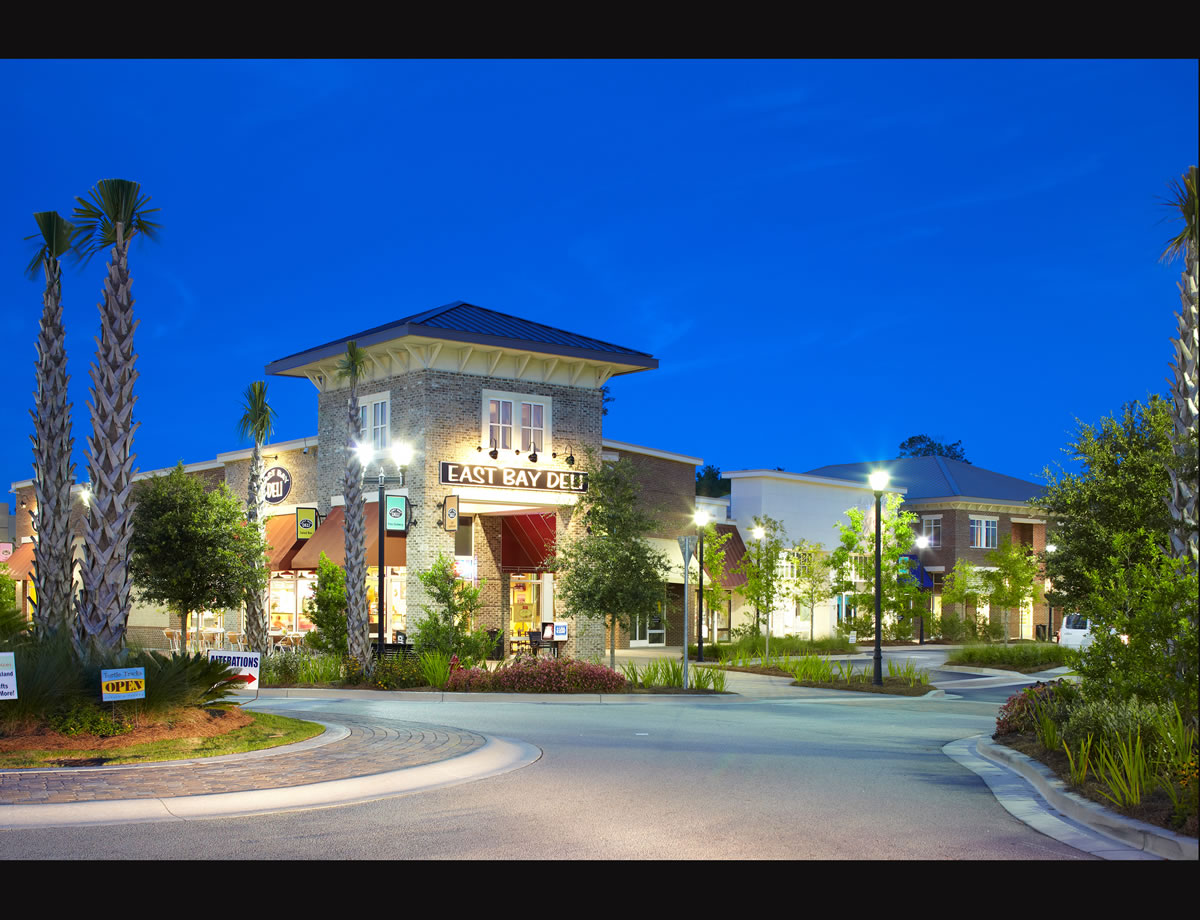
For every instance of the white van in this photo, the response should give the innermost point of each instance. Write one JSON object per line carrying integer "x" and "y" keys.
{"x": 1074, "y": 632}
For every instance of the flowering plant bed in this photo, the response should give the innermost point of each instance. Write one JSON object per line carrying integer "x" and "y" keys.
{"x": 539, "y": 675}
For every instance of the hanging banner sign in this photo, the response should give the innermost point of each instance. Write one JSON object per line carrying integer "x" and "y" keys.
{"x": 395, "y": 514}
{"x": 472, "y": 474}
{"x": 123, "y": 684}
{"x": 6, "y": 550}
{"x": 306, "y": 523}
{"x": 8, "y": 676}
{"x": 450, "y": 513}
{"x": 277, "y": 483}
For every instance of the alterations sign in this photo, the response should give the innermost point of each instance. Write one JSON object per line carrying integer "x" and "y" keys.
{"x": 475, "y": 474}
{"x": 8, "y": 676}
{"x": 123, "y": 684}
{"x": 245, "y": 664}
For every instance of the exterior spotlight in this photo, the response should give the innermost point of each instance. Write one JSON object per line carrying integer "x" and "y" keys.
{"x": 479, "y": 449}
{"x": 570, "y": 459}
{"x": 402, "y": 455}
{"x": 493, "y": 453}
{"x": 517, "y": 452}
{"x": 533, "y": 456}
{"x": 922, "y": 541}
{"x": 366, "y": 453}
{"x": 701, "y": 517}
{"x": 879, "y": 480}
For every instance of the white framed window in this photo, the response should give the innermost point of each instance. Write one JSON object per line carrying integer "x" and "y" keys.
{"x": 985, "y": 532}
{"x": 931, "y": 527}
{"x": 516, "y": 421}
{"x": 374, "y": 417}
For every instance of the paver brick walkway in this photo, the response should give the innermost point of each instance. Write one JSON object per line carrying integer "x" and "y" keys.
{"x": 376, "y": 746}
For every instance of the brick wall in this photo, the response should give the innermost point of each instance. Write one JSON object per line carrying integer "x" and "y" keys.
{"x": 301, "y": 466}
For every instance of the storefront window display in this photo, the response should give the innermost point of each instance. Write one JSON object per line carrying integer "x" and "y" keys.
{"x": 394, "y": 585}
{"x": 289, "y": 591}
{"x": 524, "y": 606}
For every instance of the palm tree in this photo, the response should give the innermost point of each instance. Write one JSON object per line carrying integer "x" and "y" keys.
{"x": 115, "y": 214}
{"x": 1184, "y": 386}
{"x": 257, "y": 422}
{"x": 351, "y": 367}
{"x": 53, "y": 554}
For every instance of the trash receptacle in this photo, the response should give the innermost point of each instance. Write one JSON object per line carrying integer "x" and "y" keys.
{"x": 497, "y": 640}
{"x": 1040, "y": 632}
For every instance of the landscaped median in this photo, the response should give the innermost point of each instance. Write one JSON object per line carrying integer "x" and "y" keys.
{"x": 819, "y": 671}
{"x": 1024, "y": 657}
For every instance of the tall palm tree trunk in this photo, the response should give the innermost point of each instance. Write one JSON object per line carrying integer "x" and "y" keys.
{"x": 257, "y": 627}
{"x": 54, "y": 565}
{"x": 356, "y": 543}
{"x": 1186, "y": 399}
{"x": 104, "y": 601}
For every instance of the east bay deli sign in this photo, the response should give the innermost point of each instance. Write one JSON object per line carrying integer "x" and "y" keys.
{"x": 472, "y": 474}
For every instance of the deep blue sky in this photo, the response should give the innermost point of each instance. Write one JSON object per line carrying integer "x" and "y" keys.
{"x": 825, "y": 257}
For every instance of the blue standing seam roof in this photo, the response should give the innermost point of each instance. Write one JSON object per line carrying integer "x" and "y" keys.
{"x": 938, "y": 477}
{"x": 461, "y": 316}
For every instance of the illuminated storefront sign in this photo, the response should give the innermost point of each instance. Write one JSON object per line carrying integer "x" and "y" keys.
{"x": 471, "y": 474}
{"x": 277, "y": 483}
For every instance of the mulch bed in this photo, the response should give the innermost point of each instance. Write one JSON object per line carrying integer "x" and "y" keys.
{"x": 1155, "y": 809}
{"x": 191, "y": 723}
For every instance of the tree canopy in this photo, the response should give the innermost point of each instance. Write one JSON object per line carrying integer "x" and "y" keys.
{"x": 922, "y": 445}
{"x": 191, "y": 549}
{"x": 709, "y": 482}
{"x": 611, "y": 573}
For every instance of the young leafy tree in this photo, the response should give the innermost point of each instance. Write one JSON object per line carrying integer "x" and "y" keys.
{"x": 766, "y": 582}
{"x": 921, "y": 445}
{"x": 1185, "y": 387}
{"x": 963, "y": 586}
{"x": 1013, "y": 581}
{"x": 53, "y": 553}
{"x": 716, "y": 595}
{"x": 327, "y": 609}
{"x": 115, "y": 214}
{"x": 813, "y": 584}
{"x": 447, "y": 624}
{"x": 351, "y": 368}
{"x": 710, "y": 483}
{"x": 1120, "y": 490}
{"x": 257, "y": 422}
{"x": 192, "y": 550}
{"x": 611, "y": 573}
{"x": 853, "y": 561}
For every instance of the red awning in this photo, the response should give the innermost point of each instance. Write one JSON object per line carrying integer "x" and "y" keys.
{"x": 330, "y": 539}
{"x": 282, "y": 544}
{"x": 526, "y": 541}
{"x": 20, "y": 563}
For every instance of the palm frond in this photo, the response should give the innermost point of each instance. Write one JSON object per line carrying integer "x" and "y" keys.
{"x": 55, "y": 240}
{"x": 258, "y": 421}
{"x": 113, "y": 201}
{"x": 353, "y": 364}
{"x": 1183, "y": 199}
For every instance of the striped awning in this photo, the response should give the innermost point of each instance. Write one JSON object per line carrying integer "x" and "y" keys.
{"x": 526, "y": 542}
{"x": 20, "y": 563}
{"x": 330, "y": 539}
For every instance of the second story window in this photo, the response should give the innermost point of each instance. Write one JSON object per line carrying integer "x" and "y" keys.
{"x": 985, "y": 532}
{"x": 532, "y": 428}
{"x": 374, "y": 417}
{"x": 500, "y": 423}
{"x": 517, "y": 421}
{"x": 931, "y": 527}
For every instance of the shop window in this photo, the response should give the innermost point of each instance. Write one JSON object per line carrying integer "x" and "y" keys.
{"x": 500, "y": 423}
{"x": 532, "y": 429}
{"x": 463, "y": 542}
{"x": 524, "y": 605}
{"x": 985, "y": 532}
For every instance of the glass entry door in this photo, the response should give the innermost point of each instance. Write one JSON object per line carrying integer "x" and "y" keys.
{"x": 647, "y": 631}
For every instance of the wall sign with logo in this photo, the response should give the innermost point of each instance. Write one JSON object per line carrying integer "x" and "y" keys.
{"x": 477, "y": 474}
{"x": 277, "y": 483}
{"x": 306, "y": 523}
{"x": 395, "y": 514}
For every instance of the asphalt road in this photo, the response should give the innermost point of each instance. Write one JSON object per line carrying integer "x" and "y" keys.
{"x": 807, "y": 777}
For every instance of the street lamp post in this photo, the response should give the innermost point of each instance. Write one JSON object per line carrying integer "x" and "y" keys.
{"x": 401, "y": 456}
{"x": 922, "y": 542}
{"x": 701, "y": 518}
{"x": 1050, "y": 547}
{"x": 759, "y": 533}
{"x": 879, "y": 481}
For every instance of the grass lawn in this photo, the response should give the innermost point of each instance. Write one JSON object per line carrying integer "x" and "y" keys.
{"x": 197, "y": 733}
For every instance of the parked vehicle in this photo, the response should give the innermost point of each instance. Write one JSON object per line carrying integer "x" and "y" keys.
{"x": 1076, "y": 634}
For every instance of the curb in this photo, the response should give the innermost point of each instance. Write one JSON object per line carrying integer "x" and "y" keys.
{"x": 1128, "y": 831}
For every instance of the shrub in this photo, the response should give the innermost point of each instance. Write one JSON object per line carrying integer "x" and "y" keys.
{"x": 1021, "y": 711}
{"x": 445, "y": 628}
{"x": 1108, "y": 720}
{"x": 327, "y": 610}
{"x": 540, "y": 675}
{"x": 83, "y": 718}
{"x": 1025, "y": 655}
{"x": 950, "y": 627}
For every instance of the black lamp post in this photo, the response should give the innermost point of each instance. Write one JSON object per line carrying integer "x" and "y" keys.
{"x": 401, "y": 455}
{"x": 1050, "y": 547}
{"x": 922, "y": 543}
{"x": 701, "y": 518}
{"x": 879, "y": 481}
